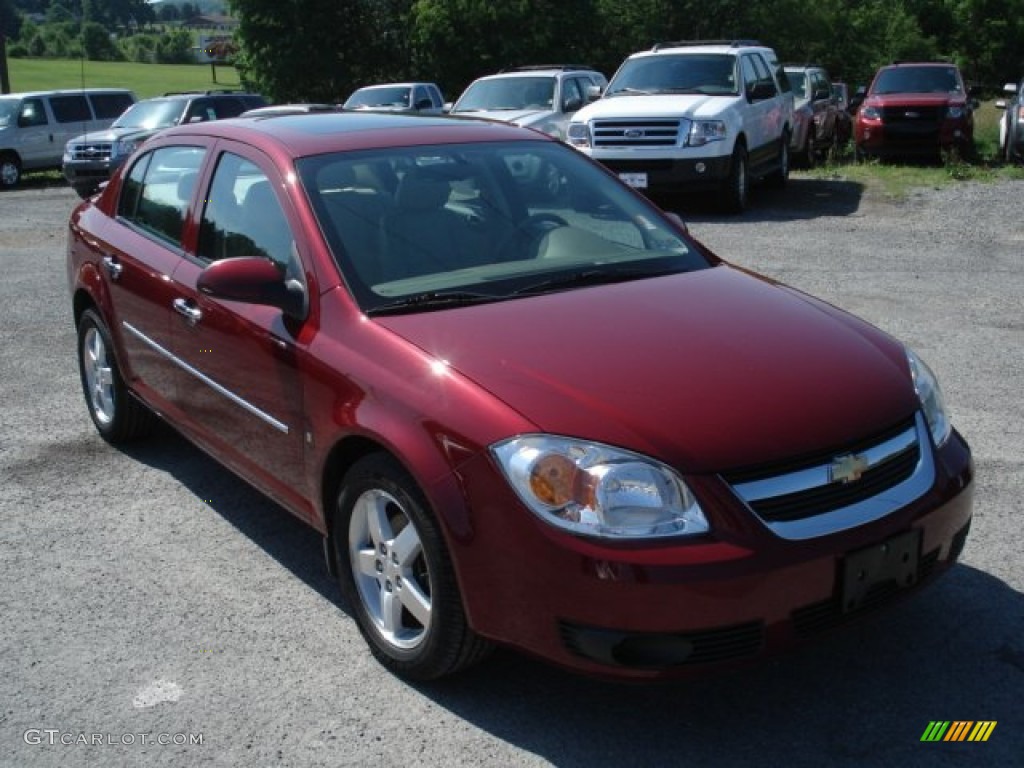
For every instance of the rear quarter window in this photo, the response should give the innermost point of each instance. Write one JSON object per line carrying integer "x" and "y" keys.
{"x": 108, "y": 106}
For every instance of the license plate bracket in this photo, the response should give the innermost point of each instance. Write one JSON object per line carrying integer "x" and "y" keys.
{"x": 894, "y": 560}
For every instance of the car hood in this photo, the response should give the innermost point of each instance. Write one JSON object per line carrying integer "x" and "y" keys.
{"x": 688, "y": 105}
{"x": 711, "y": 370}
{"x": 116, "y": 134}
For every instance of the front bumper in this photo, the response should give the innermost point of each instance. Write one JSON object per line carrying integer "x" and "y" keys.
{"x": 927, "y": 139}
{"x": 80, "y": 172}
{"x": 693, "y": 173}
{"x": 661, "y": 611}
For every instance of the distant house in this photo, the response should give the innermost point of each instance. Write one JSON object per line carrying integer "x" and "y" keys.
{"x": 211, "y": 21}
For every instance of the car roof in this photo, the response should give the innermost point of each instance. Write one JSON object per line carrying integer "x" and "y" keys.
{"x": 300, "y": 135}
{"x": 684, "y": 47}
{"x": 62, "y": 92}
{"x": 552, "y": 71}
{"x": 393, "y": 85}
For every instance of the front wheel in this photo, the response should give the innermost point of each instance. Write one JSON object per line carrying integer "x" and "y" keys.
{"x": 10, "y": 170}
{"x": 117, "y": 415}
{"x": 734, "y": 192}
{"x": 395, "y": 571}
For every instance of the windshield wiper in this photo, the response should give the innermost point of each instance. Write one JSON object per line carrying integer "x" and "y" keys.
{"x": 432, "y": 300}
{"x": 640, "y": 91}
{"x": 594, "y": 276}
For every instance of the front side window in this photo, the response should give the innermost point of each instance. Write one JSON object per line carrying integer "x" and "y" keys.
{"x": 158, "y": 189}
{"x": 32, "y": 113}
{"x": 243, "y": 216}
{"x": 420, "y": 227}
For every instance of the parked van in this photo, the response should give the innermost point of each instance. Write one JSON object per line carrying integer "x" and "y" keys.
{"x": 35, "y": 126}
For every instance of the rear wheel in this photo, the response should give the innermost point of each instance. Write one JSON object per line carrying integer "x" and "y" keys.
{"x": 395, "y": 571}
{"x": 117, "y": 415}
{"x": 733, "y": 196}
{"x": 10, "y": 170}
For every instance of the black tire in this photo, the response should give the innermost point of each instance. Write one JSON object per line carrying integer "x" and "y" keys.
{"x": 735, "y": 190}
{"x": 118, "y": 416}
{"x": 780, "y": 176}
{"x": 404, "y": 596}
{"x": 10, "y": 170}
{"x": 806, "y": 157}
{"x": 84, "y": 190}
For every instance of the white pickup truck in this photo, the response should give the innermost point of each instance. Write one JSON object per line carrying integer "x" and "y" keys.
{"x": 698, "y": 115}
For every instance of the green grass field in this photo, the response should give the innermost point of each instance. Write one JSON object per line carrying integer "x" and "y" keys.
{"x": 145, "y": 80}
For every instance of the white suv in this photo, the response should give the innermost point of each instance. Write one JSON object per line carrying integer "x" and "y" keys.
{"x": 693, "y": 114}
{"x": 541, "y": 97}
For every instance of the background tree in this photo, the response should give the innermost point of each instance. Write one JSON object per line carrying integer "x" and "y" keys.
{"x": 317, "y": 50}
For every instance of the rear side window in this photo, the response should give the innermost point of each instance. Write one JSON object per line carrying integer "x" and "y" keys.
{"x": 157, "y": 191}
{"x": 70, "y": 109}
{"x": 108, "y": 106}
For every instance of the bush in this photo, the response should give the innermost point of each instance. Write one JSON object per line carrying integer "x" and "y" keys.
{"x": 97, "y": 43}
{"x": 17, "y": 51}
{"x": 140, "y": 48}
{"x": 175, "y": 47}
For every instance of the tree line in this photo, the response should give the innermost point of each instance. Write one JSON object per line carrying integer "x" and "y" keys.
{"x": 322, "y": 49}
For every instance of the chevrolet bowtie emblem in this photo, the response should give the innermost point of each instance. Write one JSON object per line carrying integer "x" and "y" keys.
{"x": 847, "y": 469}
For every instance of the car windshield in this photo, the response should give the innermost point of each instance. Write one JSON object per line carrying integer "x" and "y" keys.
{"x": 8, "y": 111}
{"x": 150, "y": 115}
{"x": 713, "y": 74}
{"x": 420, "y": 228}
{"x": 798, "y": 79}
{"x": 917, "y": 80}
{"x": 508, "y": 94}
{"x": 386, "y": 96}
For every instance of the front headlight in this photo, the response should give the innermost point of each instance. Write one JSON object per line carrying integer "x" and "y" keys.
{"x": 597, "y": 490}
{"x": 123, "y": 147}
{"x": 871, "y": 113}
{"x": 955, "y": 113}
{"x": 578, "y": 134}
{"x": 704, "y": 132}
{"x": 928, "y": 392}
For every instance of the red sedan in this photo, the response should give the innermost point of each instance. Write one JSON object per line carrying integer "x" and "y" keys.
{"x": 521, "y": 404}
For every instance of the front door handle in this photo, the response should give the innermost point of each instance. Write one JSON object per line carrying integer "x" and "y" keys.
{"x": 113, "y": 267}
{"x": 188, "y": 310}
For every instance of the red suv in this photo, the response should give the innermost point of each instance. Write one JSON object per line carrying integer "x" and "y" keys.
{"x": 915, "y": 110}
{"x": 557, "y": 423}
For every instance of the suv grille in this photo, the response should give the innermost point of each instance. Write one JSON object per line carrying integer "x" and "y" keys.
{"x": 795, "y": 499}
{"x": 642, "y": 132}
{"x": 91, "y": 151}
{"x": 912, "y": 115}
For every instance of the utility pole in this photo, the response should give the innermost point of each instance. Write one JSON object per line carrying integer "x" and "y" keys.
{"x": 5, "y": 78}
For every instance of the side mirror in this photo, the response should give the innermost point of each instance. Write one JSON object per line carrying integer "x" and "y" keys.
{"x": 572, "y": 104}
{"x": 1010, "y": 88}
{"x": 676, "y": 219}
{"x": 760, "y": 91}
{"x": 593, "y": 93}
{"x": 447, "y": 107}
{"x": 1000, "y": 103}
{"x": 254, "y": 280}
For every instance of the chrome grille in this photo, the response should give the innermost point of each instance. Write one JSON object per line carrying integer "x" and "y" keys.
{"x": 91, "y": 151}
{"x": 804, "y": 499}
{"x": 641, "y": 132}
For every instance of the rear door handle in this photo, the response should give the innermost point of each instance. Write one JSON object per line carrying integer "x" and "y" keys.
{"x": 113, "y": 267}
{"x": 188, "y": 310}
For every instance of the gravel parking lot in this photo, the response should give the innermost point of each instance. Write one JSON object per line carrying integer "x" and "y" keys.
{"x": 149, "y": 596}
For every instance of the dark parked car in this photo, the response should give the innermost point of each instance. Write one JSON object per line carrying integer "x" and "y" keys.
{"x": 915, "y": 110}
{"x": 560, "y": 425}
{"x": 91, "y": 158}
{"x": 812, "y": 95}
{"x": 1011, "y": 124}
